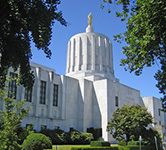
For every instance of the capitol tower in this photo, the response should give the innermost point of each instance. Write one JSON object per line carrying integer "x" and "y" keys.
{"x": 89, "y": 55}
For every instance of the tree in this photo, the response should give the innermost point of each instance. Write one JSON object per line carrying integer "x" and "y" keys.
{"x": 129, "y": 122}
{"x": 10, "y": 121}
{"x": 145, "y": 37}
{"x": 23, "y": 22}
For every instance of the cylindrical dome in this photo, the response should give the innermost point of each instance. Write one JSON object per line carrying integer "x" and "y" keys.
{"x": 89, "y": 54}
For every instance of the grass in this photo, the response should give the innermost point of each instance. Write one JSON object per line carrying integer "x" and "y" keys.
{"x": 67, "y": 147}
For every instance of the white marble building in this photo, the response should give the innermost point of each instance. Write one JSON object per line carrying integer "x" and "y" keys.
{"x": 87, "y": 95}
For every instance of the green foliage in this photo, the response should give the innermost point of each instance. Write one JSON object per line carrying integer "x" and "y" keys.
{"x": 10, "y": 121}
{"x": 137, "y": 147}
{"x": 23, "y": 133}
{"x": 57, "y": 136}
{"x": 73, "y": 137}
{"x": 130, "y": 121}
{"x": 133, "y": 143}
{"x": 79, "y": 137}
{"x": 23, "y": 22}
{"x": 148, "y": 138}
{"x": 145, "y": 37}
{"x": 160, "y": 76}
{"x": 125, "y": 3}
{"x": 36, "y": 141}
{"x": 122, "y": 143}
{"x": 99, "y": 143}
{"x": 97, "y": 132}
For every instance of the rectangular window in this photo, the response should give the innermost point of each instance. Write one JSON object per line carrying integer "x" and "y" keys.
{"x": 159, "y": 111}
{"x": 55, "y": 95}
{"x": 43, "y": 92}
{"x": 116, "y": 101}
{"x": 43, "y": 127}
{"x": 56, "y": 127}
{"x": 12, "y": 86}
{"x": 28, "y": 95}
{"x": 29, "y": 126}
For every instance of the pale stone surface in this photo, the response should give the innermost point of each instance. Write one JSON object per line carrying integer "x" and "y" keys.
{"x": 90, "y": 54}
{"x": 87, "y": 93}
{"x": 154, "y": 106}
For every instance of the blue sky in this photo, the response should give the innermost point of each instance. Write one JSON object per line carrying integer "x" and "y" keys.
{"x": 76, "y": 13}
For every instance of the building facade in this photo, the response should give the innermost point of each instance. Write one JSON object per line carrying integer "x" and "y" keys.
{"x": 87, "y": 96}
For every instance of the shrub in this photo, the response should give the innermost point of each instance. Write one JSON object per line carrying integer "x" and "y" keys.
{"x": 88, "y": 137}
{"x": 36, "y": 141}
{"x": 23, "y": 133}
{"x": 97, "y": 132}
{"x": 122, "y": 143}
{"x": 133, "y": 142}
{"x": 79, "y": 137}
{"x": 99, "y": 143}
{"x": 149, "y": 140}
{"x": 72, "y": 137}
{"x": 137, "y": 147}
{"x": 57, "y": 136}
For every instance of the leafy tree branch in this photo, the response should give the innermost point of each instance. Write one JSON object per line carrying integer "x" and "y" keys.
{"x": 145, "y": 37}
{"x": 23, "y": 22}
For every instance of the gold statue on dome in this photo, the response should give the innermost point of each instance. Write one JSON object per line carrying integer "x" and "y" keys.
{"x": 90, "y": 19}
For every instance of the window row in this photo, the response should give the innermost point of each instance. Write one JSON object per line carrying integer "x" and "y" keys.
{"x": 28, "y": 93}
{"x": 42, "y": 127}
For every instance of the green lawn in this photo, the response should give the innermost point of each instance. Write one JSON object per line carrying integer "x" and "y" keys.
{"x": 68, "y": 147}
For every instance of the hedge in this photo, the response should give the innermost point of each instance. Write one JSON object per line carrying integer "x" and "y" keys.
{"x": 99, "y": 143}
{"x": 36, "y": 141}
{"x": 133, "y": 143}
{"x": 136, "y": 147}
{"x": 115, "y": 148}
{"x": 97, "y": 132}
{"x": 59, "y": 137}
{"x": 80, "y": 137}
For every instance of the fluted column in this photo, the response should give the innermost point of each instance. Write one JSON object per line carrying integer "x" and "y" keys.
{"x": 111, "y": 59}
{"x": 80, "y": 54}
{"x": 72, "y": 55}
{"x": 104, "y": 55}
{"x": 107, "y": 55}
{"x": 50, "y": 99}
{"x": 85, "y": 49}
{"x": 100, "y": 54}
{"x": 93, "y": 53}
{"x": 77, "y": 54}
{"x": 68, "y": 63}
{"x": 37, "y": 89}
